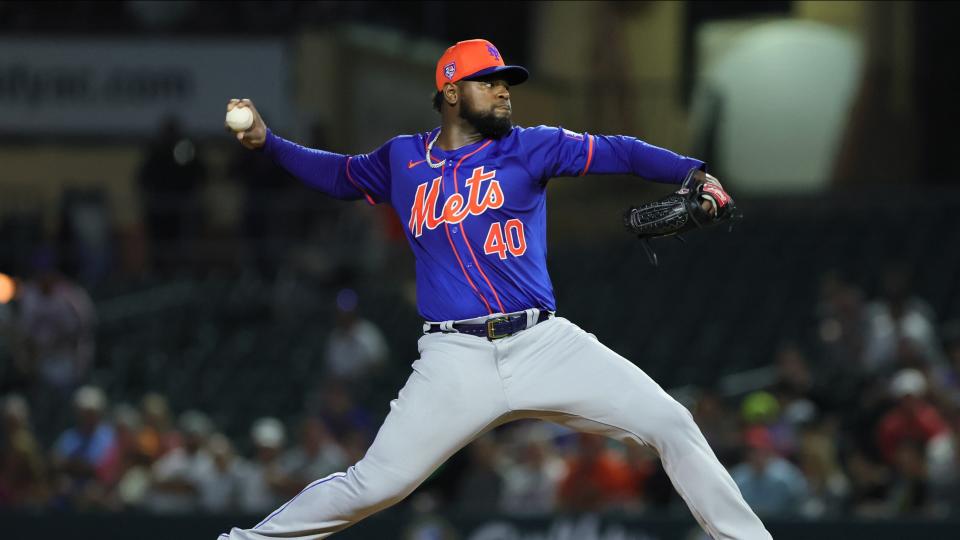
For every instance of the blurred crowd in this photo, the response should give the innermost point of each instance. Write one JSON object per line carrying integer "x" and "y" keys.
{"x": 861, "y": 421}
{"x": 126, "y": 457}
{"x": 65, "y": 445}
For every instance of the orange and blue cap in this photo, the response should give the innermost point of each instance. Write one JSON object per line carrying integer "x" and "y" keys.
{"x": 475, "y": 58}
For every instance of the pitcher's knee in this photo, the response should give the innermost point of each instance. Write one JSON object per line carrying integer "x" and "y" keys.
{"x": 671, "y": 421}
{"x": 384, "y": 490}
{"x": 379, "y": 497}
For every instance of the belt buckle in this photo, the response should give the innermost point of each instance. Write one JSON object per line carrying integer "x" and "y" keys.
{"x": 491, "y": 332}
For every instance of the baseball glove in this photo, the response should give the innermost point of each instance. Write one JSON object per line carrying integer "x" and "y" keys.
{"x": 680, "y": 212}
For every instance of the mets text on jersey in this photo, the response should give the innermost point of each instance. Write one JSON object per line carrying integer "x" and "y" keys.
{"x": 455, "y": 208}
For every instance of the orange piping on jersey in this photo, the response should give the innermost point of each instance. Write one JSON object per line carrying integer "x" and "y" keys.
{"x": 464, "y": 270}
{"x": 356, "y": 185}
{"x": 453, "y": 248}
{"x": 464, "y": 229}
{"x": 589, "y": 156}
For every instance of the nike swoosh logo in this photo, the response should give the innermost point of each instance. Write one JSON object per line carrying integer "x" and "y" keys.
{"x": 411, "y": 164}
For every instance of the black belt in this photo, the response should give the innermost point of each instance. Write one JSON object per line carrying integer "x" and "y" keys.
{"x": 493, "y": 328}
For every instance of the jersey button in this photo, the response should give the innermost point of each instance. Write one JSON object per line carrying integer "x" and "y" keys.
{"x": 454, "y": 229}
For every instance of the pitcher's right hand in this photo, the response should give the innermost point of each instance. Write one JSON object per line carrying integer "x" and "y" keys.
{"x": 256, "y": 135}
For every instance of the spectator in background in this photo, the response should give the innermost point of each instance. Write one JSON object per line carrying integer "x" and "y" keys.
{"x": 23, "y": 474}
{"x": 339, "y": 412}
{"x": 171, "y": 181}
{"x": 55, "y": 328}
{"x": 129, "y": 465}
{"x": 909, "y": 493}
{"x": 843, "y": 326}
{"x": 796, "y": 378}
{"x": 124, "y": 455}
{"x": 85, "y": 237}
{"x": 356, "y": 349}
{"x": 771, "y": 485}
{"x": 793, "y": 371}
{"x": 718, "y": 425}
{"x": 801, "y": 398}
{"x": 912, "y": 418}
{"x": 317, "y": 456}
{"x": 819, "y": 460}
{"x": 532, "y": 474}
{"x": 870, "y": 482}
{"x": 481, "y": 484}
{"x": 176, "y": 476}
{"x": 910, "y": 435}
{"x": 81, "y": 453}
{"x": 943, "y": 468}
{"x": 943, "y": 453}
{"x": 261, "y": 480}
{"x": 597, "y": 479}
{"x": 220, "y": 485}
{"x": 143, "y": 437}
{"x": 946, "y": 378}
{"x": 642, "y": 462}
{"x": 761, "y": 408}
{"x": 861, "y": 417}
{"x": 659, "y": 494}
{"x": 898, "y": 317}
{"x": 157, "y": 436}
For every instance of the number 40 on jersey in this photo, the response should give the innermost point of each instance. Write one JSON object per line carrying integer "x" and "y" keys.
{"x": 505, "y": 238}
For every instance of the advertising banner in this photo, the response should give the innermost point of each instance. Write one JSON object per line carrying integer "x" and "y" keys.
{"x": 126, "y": 87}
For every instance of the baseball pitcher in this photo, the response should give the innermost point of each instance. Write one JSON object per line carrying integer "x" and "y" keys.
{"x": 472, "y": 196}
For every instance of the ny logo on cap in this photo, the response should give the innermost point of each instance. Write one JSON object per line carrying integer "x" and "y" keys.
{"x": 493, "y": 52}
{"x": 450, "y": 69}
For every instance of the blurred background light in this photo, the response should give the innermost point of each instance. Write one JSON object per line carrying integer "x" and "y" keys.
{"x": 8, "y": 288}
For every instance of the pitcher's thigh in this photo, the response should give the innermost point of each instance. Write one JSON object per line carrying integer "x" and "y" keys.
{"x": 574, "y": 374}
{"x": 447, "y": 402}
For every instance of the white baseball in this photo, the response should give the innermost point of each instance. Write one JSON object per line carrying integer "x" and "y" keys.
{"x": 240, "y": 118}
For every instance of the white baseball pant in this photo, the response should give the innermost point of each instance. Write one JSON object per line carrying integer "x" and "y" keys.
{"x": 463, "y": 386}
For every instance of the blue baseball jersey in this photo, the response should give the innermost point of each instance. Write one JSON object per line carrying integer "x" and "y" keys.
{"x": 477, "y": 224}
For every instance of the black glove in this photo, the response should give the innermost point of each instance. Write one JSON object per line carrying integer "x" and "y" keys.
{"x": 680, "y": 212}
